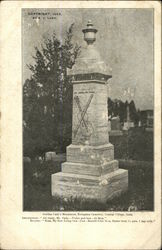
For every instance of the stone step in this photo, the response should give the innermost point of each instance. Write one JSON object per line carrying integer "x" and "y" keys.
{"x": 86, "y": 154}
{"x": 90, "y": 187}
{"x": 89, "y": 169}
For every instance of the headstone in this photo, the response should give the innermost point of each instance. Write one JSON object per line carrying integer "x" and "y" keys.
{"x": 50, "y": 156}
{"x": 139, "y": 124}
{"x": 26, "y": 159}
{"x": 115, "y": 127}
{"x": 128, "y": 125}
{"x": 115, "y": 133}
{"x": 149, "y": 129}
{"x": 90, "y": 172}
{"x": 115, "y": 123}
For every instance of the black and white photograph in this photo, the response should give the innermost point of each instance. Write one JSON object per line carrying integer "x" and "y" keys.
{"x": 80, "y": 110}
{"x": 88, "y": 109}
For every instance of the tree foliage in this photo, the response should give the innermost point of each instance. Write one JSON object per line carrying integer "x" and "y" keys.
{"x": 118, "y": 108}
{"x": 47, "y": 96}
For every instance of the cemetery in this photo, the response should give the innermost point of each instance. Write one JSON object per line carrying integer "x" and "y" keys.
{"x": 101, "y": 167}
{"x": 37, "y": 188}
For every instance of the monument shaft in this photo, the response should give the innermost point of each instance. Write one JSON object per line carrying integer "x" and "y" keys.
{"x": 90, "y": 116}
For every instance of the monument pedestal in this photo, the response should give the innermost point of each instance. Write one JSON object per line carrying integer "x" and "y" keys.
{"x": 90, "y": 171}
{"x": 100, "y": 188}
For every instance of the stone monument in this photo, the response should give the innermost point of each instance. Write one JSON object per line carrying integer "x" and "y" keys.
{"x": 90, "y": 171}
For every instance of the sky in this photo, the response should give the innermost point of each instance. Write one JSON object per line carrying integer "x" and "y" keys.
{"x": 124, "y": 40}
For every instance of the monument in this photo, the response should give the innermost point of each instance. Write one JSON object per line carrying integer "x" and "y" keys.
{"x": 90, "y": 172}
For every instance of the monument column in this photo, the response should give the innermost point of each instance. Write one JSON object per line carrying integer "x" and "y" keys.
{"x": 90, "y": 170}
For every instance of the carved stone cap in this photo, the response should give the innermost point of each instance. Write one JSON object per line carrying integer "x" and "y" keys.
{"x": 89, "y": 33}
{"x": 90, "y": 63}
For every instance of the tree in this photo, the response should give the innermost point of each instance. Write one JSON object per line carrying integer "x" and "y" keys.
{"x": 110, "y": 106}
{"x": 118, "y": 108}
{"x": 47, "y": 102}
{"x": 122, "y": 112}
{"x": 133, "y": 112}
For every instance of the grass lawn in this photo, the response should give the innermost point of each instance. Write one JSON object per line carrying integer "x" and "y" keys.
{"x": 37, "y": 190}
{"x": 135, "y": 144}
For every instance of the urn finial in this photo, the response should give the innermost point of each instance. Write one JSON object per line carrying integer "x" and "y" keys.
{"x": 89, "y": 33}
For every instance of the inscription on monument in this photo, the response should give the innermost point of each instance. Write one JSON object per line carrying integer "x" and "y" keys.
{"x": 82, "y": 127}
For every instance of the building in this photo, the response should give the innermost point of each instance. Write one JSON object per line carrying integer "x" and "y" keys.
{"x": 147, "y": 118}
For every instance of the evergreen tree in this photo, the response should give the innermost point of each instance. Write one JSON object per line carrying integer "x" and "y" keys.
{"x": 47, "y": 96}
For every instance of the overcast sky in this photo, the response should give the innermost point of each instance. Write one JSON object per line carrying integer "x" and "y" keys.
{"x": 124, "y": 40}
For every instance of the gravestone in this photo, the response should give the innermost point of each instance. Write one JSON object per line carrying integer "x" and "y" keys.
{"x": 115, "y": 123}
{"x": 115, "y": 127}
{"x": 128, "y": 125}
{"x": 27, "y": 159}
{"x": 50, "y": 156}
{"x": 90, "y": 172}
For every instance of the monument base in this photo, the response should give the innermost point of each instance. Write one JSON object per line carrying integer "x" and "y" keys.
{"x": 100, "y": 188}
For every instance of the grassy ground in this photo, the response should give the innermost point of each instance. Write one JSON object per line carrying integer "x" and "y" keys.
{"x": 37, "y": 190}
{"x": 136, "y": 144}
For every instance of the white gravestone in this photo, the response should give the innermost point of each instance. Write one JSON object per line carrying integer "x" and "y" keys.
{"x": 50, "y": 156}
